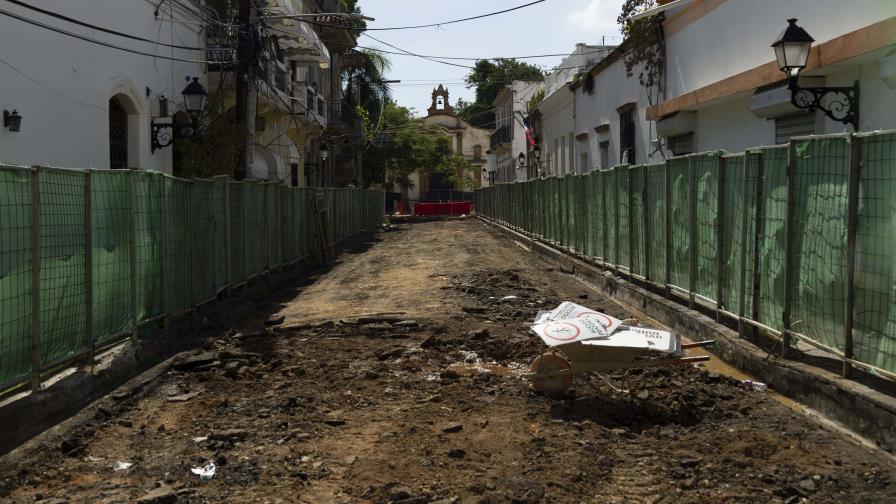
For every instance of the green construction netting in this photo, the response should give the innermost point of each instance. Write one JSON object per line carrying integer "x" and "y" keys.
{"x": 111, "y": 223}
{"x": 62, "y": 272}
{"x": 771, "y": 235}
{"x": 655, "y": 208}
{"x": 738, "y": 227}
{"x": 818, "y": 246}
{"x": 15, "y": 274}
{"x": 680, "y": 227}
{"x": 154, "y": 241}
{"x": 705, "y": 174}
{"x": 636, "y": 218}
{"x": 178, "y": 251}
{"x": 149, "y": 188}
{"x": 874, "y": 337}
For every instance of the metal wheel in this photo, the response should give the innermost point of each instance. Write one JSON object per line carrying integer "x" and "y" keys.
{"x": 549, "y": 363}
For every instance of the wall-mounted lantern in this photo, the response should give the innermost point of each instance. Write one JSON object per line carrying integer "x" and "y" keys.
{"x": 792, "y": 52}
{"x": 194, "y": 98}
{"x": 12, "y": 120}
{"x": 324, "y": 152}
{"x": 522, "y": 160}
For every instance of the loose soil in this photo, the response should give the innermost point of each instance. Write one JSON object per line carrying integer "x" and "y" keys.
{"x": 395, "y": 377}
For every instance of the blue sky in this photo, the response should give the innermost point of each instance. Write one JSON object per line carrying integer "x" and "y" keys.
{"x": 551, "y": 27}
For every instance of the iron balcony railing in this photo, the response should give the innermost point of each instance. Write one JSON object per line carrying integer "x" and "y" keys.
{"x": 501, "y": 135}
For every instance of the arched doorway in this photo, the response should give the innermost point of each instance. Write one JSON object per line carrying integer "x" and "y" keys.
{"x": 118, "y": 134}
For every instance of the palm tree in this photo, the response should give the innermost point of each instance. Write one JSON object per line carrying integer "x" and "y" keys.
{"x": 367, "y": 78}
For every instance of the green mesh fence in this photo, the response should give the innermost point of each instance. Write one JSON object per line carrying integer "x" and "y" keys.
{"x": 874, "y": 337}
{"x": 636, "y": 219}
{"x": 771, "y": 235}
{"x": 679, "y": 220}
{"x": 716, "y": 225}
{"x": 111, "y": 213}
{"x": 818, "y": 243}
{"x": 15, "y": 274}
{"x": 143, "y": 245}
{"x": 705, "y": 174}
{"x": 655, "y": 221}
{"x": 62, "y": 279}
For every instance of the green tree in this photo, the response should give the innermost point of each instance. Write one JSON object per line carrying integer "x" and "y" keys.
{"x": 365, "y": 85}
{"x": 403, "y": 145}
{"x": 489, "y": 78}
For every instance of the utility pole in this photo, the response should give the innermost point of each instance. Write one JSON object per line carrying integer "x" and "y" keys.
{"x": 245, "y": 98}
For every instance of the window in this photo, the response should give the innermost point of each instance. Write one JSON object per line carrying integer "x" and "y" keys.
{"x": 556, "y": 165}
{"x": 583, "y": 162}
{"x": 605, "y": 154}
{"x": 294, "y": 174}
{"x": 118, "y": 135}
{"x": 681, "y": 144}
{"x": 477, "y": 152}
{"x": 627, "y": 134}
{"x": 794, "y": 125}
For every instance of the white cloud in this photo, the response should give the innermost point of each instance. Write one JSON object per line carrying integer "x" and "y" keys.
{"x": 596, "y": 18}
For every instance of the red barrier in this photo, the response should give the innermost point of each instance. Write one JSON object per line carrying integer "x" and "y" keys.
{"x": 450, "y": 208}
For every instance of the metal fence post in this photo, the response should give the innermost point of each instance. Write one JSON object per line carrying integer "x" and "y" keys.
{"x": 645, "y": 218}
{"x": 631, "y": 224}
{"x": 35, "y": 279}
{"x": 759, "y": 236}
{"x": 692, "y": 232}
{"x": 720, "y": 235}
{"x": 742, "y": 288}
{"x": 788, "y": 247}
{"x": 855, "y": 167}
{"x": 163, "y": 243}
{"x": 616, "y": 245}
{"x": 667, "y": 182}
{"x": 228, "y": 274}
{"x": 135, "y": 315}
{"x": 212, "y": 216}
{"x": 89, "y": 342}
{"x": 191, "y": 237}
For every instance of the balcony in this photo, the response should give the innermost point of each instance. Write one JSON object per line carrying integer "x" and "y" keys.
{"x": 501, "y": 135}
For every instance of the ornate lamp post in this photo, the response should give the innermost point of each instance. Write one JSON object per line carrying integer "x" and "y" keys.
{"x": 792, "y": 52}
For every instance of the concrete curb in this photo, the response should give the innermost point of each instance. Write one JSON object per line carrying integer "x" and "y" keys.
{"x": 863, "y": 410}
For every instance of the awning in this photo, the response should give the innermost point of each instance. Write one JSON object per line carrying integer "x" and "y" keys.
{"x": 297, "y": 39}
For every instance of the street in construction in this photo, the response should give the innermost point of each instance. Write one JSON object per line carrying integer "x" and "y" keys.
{"x": 397, "y": 376}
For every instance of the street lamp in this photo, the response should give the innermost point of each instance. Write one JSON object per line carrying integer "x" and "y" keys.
{"x": 522, "y": 160}
{"x": 12, "y": 120}
{"x": 792, "y": 52}
{"x": 194, "y": 98}
{"x": 162, "y": 134}
{"x": 324, "y": 152}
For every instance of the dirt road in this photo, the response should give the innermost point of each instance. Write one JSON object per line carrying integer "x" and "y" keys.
{"x": 428, "y": 406}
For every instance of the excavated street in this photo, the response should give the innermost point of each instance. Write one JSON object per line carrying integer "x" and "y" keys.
{"x": 422, "y": 401}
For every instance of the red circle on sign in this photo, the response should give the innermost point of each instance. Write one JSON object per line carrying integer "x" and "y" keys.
{"x": 548, "y": 331}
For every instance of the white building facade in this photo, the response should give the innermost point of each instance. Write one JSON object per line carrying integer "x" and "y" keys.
{"x": 83, "y": 103}
{"x": 724, "y": 89}
{"x": 509, "y": 139}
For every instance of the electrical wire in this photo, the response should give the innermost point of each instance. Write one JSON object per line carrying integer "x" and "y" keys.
{"x": 433, "y": 25}
{"x": 100, "y": 42}
{"x": 418, "y": 55}
{"x": 48, "y": 87}
{"x": 478, "y": 59}
{"x": 100, "y": 28}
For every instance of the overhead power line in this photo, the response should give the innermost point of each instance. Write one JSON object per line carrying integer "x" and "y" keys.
{"x": 417, "y": 55}
{"x": 433, "y": 25}
{"x": 100, "y": 42}
{"x": 478, "y": 59}
{"x": 100, "y": 28}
